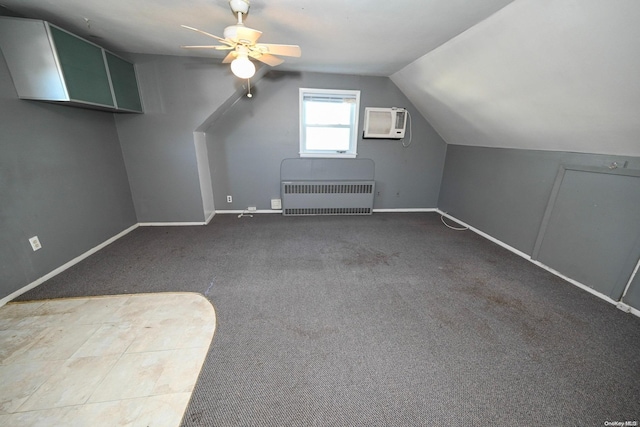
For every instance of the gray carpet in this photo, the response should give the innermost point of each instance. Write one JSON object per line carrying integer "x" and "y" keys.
{"x": 387, "y": 320}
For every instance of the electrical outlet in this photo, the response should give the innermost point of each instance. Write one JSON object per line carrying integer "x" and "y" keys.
{"x": 252, "y": 209}
{"x": 35, "y": 243}
{"x": 276, "y": 204}
{"x": 229, "y": 199}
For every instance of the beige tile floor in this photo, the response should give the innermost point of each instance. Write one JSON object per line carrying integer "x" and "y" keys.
{"x": 127, "y": 360}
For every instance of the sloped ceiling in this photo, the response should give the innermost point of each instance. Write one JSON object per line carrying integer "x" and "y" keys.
{"x": 538, "y": 74}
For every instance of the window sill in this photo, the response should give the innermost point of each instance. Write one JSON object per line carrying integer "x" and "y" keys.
{"x": 331, "y": 155}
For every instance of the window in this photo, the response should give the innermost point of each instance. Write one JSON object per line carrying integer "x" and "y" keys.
{"x": 329, "y": 122}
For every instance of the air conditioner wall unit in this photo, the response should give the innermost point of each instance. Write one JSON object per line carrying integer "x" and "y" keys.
{"x": 385, "y": 123}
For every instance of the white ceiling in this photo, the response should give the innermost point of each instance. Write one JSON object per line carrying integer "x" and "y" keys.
{"x": 366, "y": 37}
{"x": 539, "y": 74}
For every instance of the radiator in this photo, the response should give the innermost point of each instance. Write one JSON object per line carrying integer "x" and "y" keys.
{"x": 327, "y": 197}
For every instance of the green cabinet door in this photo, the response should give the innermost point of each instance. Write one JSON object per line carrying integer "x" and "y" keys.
{"x": 83, "y": 68}
{"x": 125, "y": 85}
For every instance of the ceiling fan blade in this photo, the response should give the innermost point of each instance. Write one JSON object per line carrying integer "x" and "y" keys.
{"x": 280, "y": 49}
{"x": 248, "y": 35}
{"x": 220, "y": 39}
{"x": 216, "y": 47}
{"x": 230, "y": 57}
{"x": 267, "y": 59}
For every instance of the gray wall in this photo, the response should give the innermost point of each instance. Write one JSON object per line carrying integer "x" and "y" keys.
{"x": 247, "y": 145}
{"x": 505, "y": 192}
{"x": 179, "y": 94}
{"x": 62, "y": 178}
{"x": 633, "y": 294}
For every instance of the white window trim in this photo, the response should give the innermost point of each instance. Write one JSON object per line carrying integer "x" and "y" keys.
{"x": 353, "y": 152}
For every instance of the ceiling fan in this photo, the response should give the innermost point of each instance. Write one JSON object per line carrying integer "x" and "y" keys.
{"x": 241, "y": 42}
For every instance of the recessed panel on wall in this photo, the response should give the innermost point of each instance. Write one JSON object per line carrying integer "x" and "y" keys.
{"x": 591, "y": 230}
{"x": 632, "y": 297}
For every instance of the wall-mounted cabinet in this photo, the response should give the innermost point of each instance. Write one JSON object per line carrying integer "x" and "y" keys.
{"x": 48, "y": 63}
{"x": 124, "y": 83}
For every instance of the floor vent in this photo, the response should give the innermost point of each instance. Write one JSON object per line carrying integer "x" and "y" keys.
{"x": 327, "y": 197}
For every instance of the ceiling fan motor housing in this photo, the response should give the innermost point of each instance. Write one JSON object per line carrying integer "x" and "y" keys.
{"x": 231, "y": 33}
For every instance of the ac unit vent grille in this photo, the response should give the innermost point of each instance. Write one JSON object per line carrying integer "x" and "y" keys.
{"x": 379, "y": 122}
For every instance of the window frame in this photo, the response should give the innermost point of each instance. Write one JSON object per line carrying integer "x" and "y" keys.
{"x": 352, "y": 152}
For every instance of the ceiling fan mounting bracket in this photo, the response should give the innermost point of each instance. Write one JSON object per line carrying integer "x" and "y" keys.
{"x": 239, "y": 6}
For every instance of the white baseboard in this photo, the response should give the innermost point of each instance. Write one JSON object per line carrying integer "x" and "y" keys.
{"x": 170, "y": 224}
{"x": 401, "y": 210}
{"x": 209, "y": 218}
{"x": 177, "y": 223}
{"x": 486, "y": 236}
{"x": 65, "y": 266}
{"x": 541, "y": 265}
{"x": 246, "y": 212}
{"x": 279, "y": 211}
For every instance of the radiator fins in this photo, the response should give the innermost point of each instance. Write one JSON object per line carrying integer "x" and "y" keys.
{"x": 327, "y": 197}
{"x": 327, "y": 211}
{"x": 328, "y": 189}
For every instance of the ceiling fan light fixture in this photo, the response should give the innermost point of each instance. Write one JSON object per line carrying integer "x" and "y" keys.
{"x": 242, "y": 67}
{"x": 242, "y": 42}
